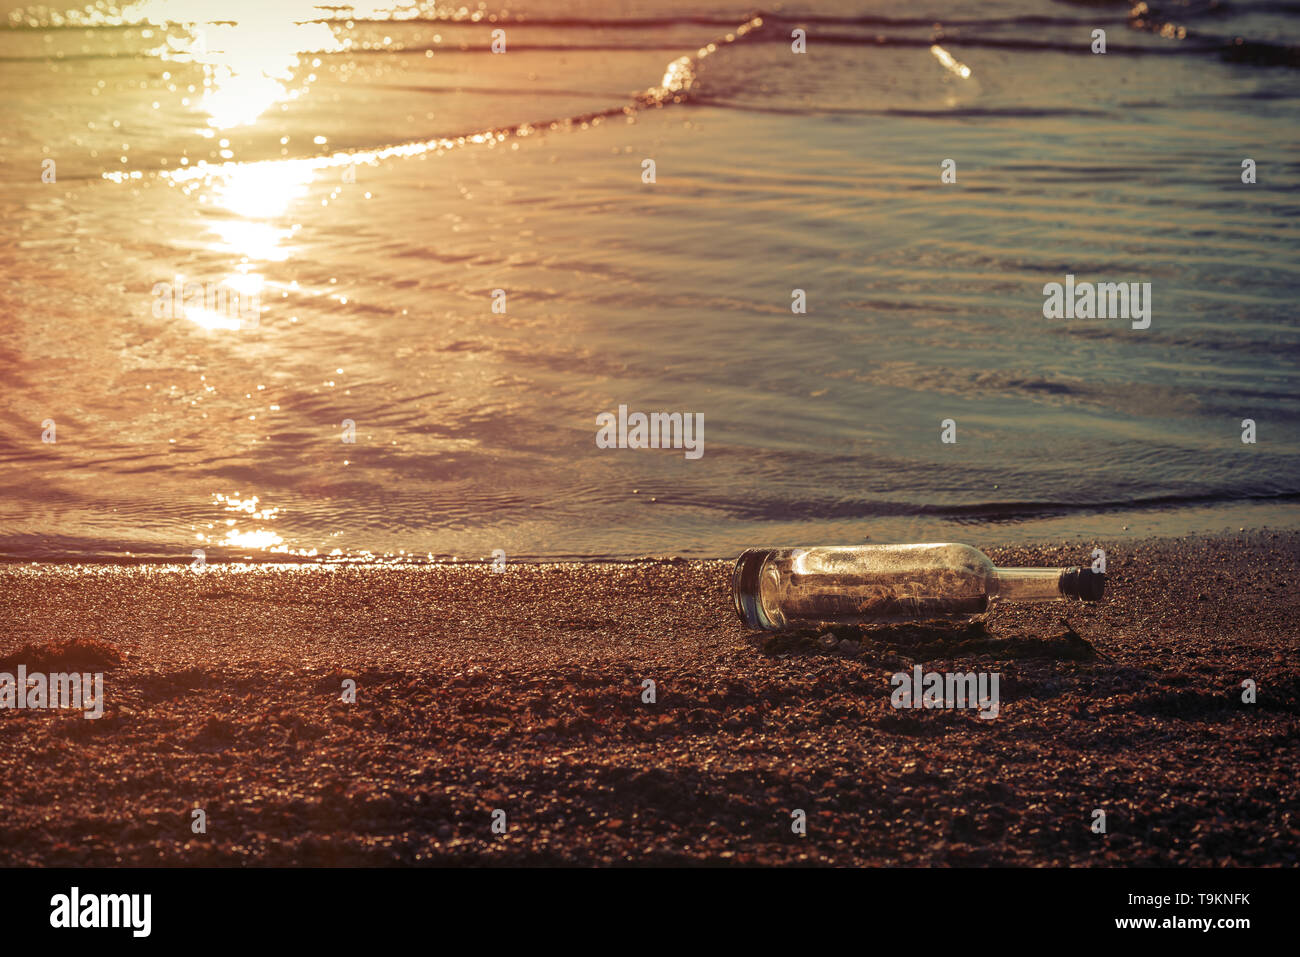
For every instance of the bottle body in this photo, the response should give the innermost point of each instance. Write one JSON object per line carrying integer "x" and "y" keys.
{"x": 783, "y": 588}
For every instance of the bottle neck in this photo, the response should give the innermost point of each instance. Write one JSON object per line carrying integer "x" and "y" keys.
{"x": 1028, "y": 584}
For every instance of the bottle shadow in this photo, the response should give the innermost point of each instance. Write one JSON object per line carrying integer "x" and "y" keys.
{"x": 923, "y": 641}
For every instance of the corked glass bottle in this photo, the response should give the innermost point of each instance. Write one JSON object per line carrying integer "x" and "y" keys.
{"x": 777, "y": 589}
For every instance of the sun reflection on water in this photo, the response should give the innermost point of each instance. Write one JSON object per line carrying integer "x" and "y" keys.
{"x": 259, "y": 538}
{"x": 253, "y": 240}
{"x": 249, "y": 49}
{"x": 261, "y": 190}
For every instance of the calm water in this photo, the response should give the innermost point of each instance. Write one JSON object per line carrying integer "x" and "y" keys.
{"x": 374, "y": 176}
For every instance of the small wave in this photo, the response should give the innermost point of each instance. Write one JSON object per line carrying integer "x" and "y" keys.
{"x": 985, "y": 511}
{"x": 678, "y": 79}
{"x": 944, "y": 113}
{"x": 1172, "y": 33}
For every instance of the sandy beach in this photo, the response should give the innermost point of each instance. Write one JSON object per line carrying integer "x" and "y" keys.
{"x": 523, "y": 691}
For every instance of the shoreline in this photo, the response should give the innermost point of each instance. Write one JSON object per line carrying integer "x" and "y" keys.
{"x": 523, "y": 692}
{"x": 1184, "y": 522}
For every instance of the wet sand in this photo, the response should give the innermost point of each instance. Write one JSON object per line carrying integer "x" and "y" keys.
{"x": 522, "y": 691}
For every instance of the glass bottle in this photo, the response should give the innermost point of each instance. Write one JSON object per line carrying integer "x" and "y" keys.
{"x": 776, "y": 589}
